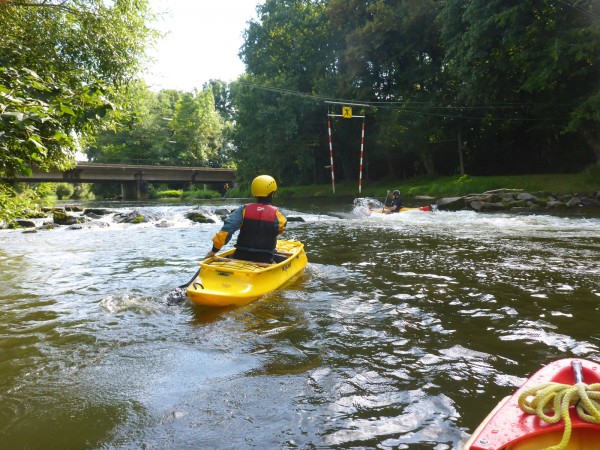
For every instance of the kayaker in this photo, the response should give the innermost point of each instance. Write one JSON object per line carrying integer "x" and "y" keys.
{"x": 396, "y": 205}
{"x": 259, "y": 223}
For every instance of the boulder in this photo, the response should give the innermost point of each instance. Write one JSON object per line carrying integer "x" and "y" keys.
{"x": 590, "y": 202}
{"x": 518, "y": 200}
{"x": 74, "y": 208}
{"x": 88, "y": 225}
{"x": 132, "y": 217}
{"x": 504, "y": 191}
{"x": 60, "y": 217}
{"x": 527, "y": 197}
{"x": 488, "y": 207}
{"x": 451, "y": 204}
{"x": 97, "y": 211}
{"x": 555, "y": 204}
{"x": 21, "y": 223}
{"x": 198, "y": 217}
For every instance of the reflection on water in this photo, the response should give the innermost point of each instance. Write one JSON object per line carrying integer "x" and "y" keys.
{"x": 403, "y": 331}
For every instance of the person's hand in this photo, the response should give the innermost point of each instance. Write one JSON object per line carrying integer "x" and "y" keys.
{"x": 209, "y": 255}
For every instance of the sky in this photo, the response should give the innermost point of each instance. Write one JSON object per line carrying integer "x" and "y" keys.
{"x": 202, "y": 42}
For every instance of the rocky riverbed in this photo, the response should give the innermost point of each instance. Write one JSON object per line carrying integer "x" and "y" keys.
{"x": 508, "y": 200}
{"x": 76, "y": 217}
{"x": 518, "y": 200}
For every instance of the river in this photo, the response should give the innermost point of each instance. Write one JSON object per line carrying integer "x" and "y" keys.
{"x": 402, "y": 333}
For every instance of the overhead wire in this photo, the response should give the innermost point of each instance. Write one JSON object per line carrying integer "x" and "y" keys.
{"x": 580, "y": 9}
{"x": 414, "y": 107}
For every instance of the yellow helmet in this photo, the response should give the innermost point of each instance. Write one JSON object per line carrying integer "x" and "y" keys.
{"x": 263, "y": 185}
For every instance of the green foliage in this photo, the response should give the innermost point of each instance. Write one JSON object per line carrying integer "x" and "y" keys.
{"x": 181, "y": 194}
{"x": 83, "y": 191}
{"x": 239, "y": 192}
{"x": 79, "y": 191}
{"x": 46, "y": 191}
{"x": 286, "y": 50}
{"x": 517, "y": 81}
{"x": 166, "y": 128}
{"x": 15, "y": 204}
{"x": 64, "y": 67}
{"x": 591, "y": 175}
{"x": 584, "y": 182}
{"x": 60, "y": 70}
{"x": 172, "y": 193}
{"x": 201, "y": 194}
{"x": 64, "y": 190}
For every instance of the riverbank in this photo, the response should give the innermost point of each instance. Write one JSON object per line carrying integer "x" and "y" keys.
{"x": 587, "y": 182}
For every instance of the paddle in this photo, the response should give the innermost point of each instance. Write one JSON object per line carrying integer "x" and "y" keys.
{"x": 184, "y": 286}
{"x": 385, "y": 201}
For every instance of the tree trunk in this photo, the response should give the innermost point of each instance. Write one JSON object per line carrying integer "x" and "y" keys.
{"x": 460, "y": 153}
{"x": 390, "y": 165}
{"x": 427, "y": 160}
{"x": 592, "y": 138}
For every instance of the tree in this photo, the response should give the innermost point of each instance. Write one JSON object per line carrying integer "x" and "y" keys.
{"x": 222, "y": 96}
{"x": 63, "y": 66}
{"x": 167, "y": 128}
{"x": 286, "y": 49}
{"x": 197, "y": 128}
{"x": 532, "y": 67}
{"x": 144, "y": 136}
{"x": 393, "y": 58}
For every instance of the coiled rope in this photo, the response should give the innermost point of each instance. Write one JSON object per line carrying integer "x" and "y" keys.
{"x": 556, "y": 398}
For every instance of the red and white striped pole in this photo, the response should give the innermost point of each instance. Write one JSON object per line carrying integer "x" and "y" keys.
{"x": 362, "y": 146}
{"x": 331, "y": 156}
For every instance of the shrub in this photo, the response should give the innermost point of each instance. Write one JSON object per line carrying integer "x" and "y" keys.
{"x": 171, "y": 193}
{"x": 83, "y": 191}
{"x": 64, "y": 191}
{"x": 201, "y": 194}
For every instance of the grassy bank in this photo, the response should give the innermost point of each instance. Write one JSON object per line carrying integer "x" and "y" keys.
{"x": 585, "y": 182}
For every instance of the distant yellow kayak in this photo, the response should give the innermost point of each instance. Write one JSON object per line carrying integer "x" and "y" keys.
{"x": 224, "y": 281}
{"x": 420, "y": 208}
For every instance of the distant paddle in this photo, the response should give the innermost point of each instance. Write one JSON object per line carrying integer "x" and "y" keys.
{"x": 385, "y": 201}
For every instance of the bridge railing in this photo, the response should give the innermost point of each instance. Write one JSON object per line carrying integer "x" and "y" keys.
{"x": 150, "y": 162}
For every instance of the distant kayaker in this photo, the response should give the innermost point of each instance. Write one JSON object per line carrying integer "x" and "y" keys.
{"x": 396, "y": 205}
{"x": 259, "y": 223}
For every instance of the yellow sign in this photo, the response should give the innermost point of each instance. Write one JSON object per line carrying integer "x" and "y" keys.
{"x": 347, "y": 112}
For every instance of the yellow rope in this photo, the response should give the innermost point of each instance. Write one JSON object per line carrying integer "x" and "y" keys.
{"x": 556, "y": 398}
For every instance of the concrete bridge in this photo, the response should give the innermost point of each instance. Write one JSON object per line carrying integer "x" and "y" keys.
{"x": 133, "y": 178}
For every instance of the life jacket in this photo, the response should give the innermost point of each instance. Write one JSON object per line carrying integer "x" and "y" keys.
{"x": 259, "y": 229}
{"x": 398, "y": 203}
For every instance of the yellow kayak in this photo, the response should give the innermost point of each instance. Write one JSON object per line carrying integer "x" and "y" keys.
{"x": 403, "y": 209}
{"x": 224, "y": 281}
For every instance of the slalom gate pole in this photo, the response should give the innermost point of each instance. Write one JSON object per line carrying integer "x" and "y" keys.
{"x": 331, "y": 156}
{"x": 362, "y": 146}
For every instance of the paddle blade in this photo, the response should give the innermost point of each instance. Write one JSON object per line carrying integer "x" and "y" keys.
{"x": 176, "y": 296}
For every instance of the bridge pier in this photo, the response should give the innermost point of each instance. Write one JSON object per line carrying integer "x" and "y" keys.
{"x": 134, "y": 190}
{"x": 129, "y": 190}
